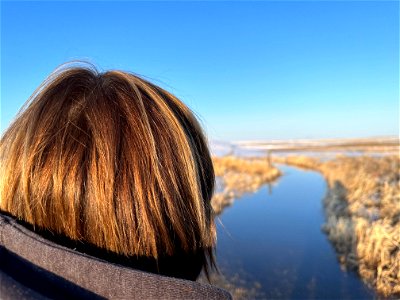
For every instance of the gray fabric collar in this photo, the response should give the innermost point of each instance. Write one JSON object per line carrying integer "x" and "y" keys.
{"x": 103, "y": 278}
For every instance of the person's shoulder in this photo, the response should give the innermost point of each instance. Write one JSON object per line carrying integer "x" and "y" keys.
{"x": 38, "y": 268}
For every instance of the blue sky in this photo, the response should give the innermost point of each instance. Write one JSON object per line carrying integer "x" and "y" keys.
{"x": 250, "y": 70}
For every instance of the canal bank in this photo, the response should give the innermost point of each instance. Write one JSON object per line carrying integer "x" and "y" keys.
{"x": 270, "y": 244}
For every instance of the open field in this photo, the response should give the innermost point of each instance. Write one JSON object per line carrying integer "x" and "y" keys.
{"x": 379, "y": 144}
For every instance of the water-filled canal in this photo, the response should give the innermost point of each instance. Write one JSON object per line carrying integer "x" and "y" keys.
{"x": 272, "y": 242}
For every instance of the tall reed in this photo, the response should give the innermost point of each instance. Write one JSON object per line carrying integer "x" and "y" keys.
{"x": 238, "y": 176}
{"x": 362, "y": 207}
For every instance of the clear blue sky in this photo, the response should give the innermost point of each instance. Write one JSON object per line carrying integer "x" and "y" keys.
{"x": 250, "y": 70}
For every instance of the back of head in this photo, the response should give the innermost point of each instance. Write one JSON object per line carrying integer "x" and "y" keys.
{"x": 111, "y": 160}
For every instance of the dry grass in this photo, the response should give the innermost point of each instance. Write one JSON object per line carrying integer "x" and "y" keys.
{"x": 240, "y": 176}
{"x": 371, "y": 189}
{"x": 304, "y": 162}
{"x": 362, "y": 208}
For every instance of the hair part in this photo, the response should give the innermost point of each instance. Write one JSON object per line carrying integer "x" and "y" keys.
{"x": 112, "y": 160}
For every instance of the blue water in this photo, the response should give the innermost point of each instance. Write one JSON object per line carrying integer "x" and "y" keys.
{"x": 274, "y": 238}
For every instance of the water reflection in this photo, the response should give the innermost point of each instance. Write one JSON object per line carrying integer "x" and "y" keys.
{"x": 270, "y": 244}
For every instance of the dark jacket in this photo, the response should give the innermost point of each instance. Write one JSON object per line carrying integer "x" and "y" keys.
{"x": 32, "y": 267}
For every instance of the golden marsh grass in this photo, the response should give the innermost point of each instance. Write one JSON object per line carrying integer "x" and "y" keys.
{"x": 362, "y": 207}
{"x": 240, "y": 176}
{"x": 362, "y": 202}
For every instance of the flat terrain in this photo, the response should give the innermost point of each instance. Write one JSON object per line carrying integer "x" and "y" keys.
{"x": 377, "y": 144}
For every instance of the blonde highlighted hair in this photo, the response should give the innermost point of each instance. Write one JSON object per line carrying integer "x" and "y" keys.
{"x": 112, "y": 160}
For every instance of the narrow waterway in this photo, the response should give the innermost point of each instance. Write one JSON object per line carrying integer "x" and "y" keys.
{"x": 272, "y": 242}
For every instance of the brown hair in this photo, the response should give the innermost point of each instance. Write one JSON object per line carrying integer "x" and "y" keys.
{"x": 112, "y": 160}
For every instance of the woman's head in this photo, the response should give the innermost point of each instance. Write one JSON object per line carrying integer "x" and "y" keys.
{"x": 112, "y": 160}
